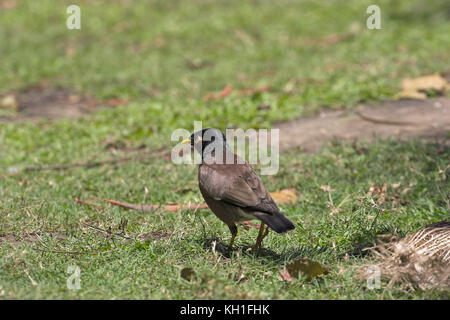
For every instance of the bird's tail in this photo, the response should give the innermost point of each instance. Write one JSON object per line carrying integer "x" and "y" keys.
{"x": 276, "y": 221}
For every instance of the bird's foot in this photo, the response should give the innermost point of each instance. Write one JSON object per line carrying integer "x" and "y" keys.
{"x": 256, "y": 248}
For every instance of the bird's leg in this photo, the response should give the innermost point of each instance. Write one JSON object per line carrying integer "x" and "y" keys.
{"x": 261, "y": 236}
{"x": 234, "y": 232}
{"x": 266, "y": 232}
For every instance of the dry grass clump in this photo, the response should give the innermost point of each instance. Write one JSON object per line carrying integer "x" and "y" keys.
{"x": 420, "y": 260}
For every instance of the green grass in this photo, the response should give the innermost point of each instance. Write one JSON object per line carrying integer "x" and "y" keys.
{"x": 42, "y": 202}
{"x": 165, "y": 56}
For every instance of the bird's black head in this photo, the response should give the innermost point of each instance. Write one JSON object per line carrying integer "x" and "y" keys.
{"x": 203, "y": 138}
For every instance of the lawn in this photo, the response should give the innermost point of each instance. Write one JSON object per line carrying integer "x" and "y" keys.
{"x": 163, "y": 58}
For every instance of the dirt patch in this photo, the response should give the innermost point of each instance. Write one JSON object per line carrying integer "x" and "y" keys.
{"x": 401, "y": 119}
{"x": 45, "y": 102}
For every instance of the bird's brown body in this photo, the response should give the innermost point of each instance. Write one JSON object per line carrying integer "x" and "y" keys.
{"x": 235, "y": 193}
{"x": 222, "y": 191}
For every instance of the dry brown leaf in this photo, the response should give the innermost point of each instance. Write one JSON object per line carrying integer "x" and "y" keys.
{"x": 9, "y": 102}
{"x": 411, "y": 94}
{"x": 306, "y": 266}
{"x": 430, "y": 82}
{"x": 416, "y": 88}
{"x": 285, "y": 196}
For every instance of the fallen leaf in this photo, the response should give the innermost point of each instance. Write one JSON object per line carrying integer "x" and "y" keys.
{"x": 9, "y": 102}
{"x": 306, "y": 266}
{"x": 411, "y": 94}
{"x": 430, "y": 82}
{"x": 416, "y": 88}
{"x": 187, "y": 273}
{"x": 285, "y": 196}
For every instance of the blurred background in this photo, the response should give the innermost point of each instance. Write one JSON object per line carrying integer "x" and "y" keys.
{"x": 296, "y": 56}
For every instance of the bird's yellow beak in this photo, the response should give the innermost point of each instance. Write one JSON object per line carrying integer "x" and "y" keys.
{"x": 186, "y": 141}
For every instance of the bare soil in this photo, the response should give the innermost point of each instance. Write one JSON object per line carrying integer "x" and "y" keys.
{"x": 402, "y": 119}
{"x": 45, "y": 102}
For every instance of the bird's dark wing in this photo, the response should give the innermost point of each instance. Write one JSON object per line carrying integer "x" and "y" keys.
{"x": 237, "y": 184}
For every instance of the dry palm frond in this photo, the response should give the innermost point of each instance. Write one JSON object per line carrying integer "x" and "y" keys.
{"x": 420, "y": 260}
{"x": 433, "y": 241}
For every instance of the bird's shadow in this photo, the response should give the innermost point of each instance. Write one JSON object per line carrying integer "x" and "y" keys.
{"x": 264, "y": 254}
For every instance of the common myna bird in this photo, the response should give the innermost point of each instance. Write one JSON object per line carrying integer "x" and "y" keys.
{"x": 232, "y": 189}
